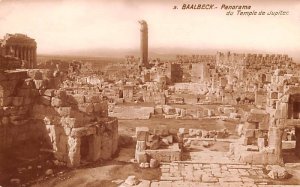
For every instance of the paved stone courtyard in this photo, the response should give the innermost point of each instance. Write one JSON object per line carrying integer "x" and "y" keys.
{"x": 209, "y": 168}
{"x": 199, "y": 173}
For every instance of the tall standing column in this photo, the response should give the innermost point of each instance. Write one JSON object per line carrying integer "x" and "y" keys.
{"x": 7, "y": 50}
{"x": 22, "y": 53}
{"x": 17, "y": 51}
{"x": 25, "y": 56}
{"x": 30, "y": 56}
{"x": 144, "y": 43}
{"x": 34, "y": 58}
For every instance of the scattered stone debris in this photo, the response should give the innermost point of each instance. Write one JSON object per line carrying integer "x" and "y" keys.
{"x": 49, "y": 172}
{"x": 153, "y": 163}
{"x": 118, "y": 181}
{"x": 15, "y": 181}
{"x": 207, "y": 144}
{"x": 131, "y": 181}
{"x": 277, "y": 172}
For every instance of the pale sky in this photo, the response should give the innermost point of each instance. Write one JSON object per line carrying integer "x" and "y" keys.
{"x": 71, "y": 25}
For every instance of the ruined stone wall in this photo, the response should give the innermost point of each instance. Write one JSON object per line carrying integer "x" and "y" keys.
{"x": 32, "y": 107}
{"x": 283, "y": 99}
{"x": 19, "y": 91}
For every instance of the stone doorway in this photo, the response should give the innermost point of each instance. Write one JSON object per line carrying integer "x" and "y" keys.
{"x": 294, "y": 115}
{"x": 297, "y": 146}
{"x": 294, "y": 107}
{"x": 86, "y": 149}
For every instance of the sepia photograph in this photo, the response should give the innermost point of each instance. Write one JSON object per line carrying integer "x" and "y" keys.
{"x": 152, "y": 93}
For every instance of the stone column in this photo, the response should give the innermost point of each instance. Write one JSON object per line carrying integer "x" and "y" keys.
{"x": 275, "y": 142}
{"x": 22, "y": 53}
{"x": 17, "y": 51}
{"x": 25, "y": 56}
{"x": 6, "y": 50}
{"x": 297, "y": 148}
{"x": 32, "y": 56}
{"x": 140, "y": 146}
{"x": 34, "y": 63}
{"x": 29, "y": 57}
{"x": 141, "y": 136}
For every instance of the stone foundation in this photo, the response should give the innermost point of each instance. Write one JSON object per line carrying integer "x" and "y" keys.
{"x": 158, "y": 144}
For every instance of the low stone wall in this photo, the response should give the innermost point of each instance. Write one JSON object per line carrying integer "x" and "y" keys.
{"x": 251, "y": 155}
{"x": 165, "y": 155}
{"x": 132, "y": 112}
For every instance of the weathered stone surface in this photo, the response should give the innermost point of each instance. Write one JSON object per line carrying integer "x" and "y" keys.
{"x": 153, "y": 145}
{"x": 49, "y": 92}
{"x": 40, "y": 84}
{"x": 92, "y": 99}
{"x": 142, "y": 133}
{"x": 60, "y": 94}
{"x": 297, "y": 136}
{"x": 74, "y": 152}
{"x": 249, "y": 133}
{"x": 277, "y": 172}
{"x": 86, "y": 108}
{"x": 153, "y": 163}
{"x": 17, "y": 101}
{"x": 83, "y": 131}
{"x": 164, "y": 142}
{"x": 106, "y": 146}
{"x": 169, "y": 139}
{"x": 195, "y": 132}
{"x": 5, "y": 101}
{"x": 5, "y": 120}
{"x": 24, "y": 92}
{"x": 141, "y": 157}
{"x": 183, "y": 131}
{"x": 72, "y": 122}
{"x": 161, "y": 130}
{"x": 45, "y": 100}
{"x": 240, "y": 129}
{"x": 76, "y": 98}
{"x": 49, "y": 172}
{"x": 55, "y": 102}
{"x": 63, "y": 111}
{"x": 261, "y": 143}
{"x": 131, "y": 180}
{"x": 140, "y": 146}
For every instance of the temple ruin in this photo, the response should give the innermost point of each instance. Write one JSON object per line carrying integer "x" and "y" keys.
{"x": 21, "y": 47}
